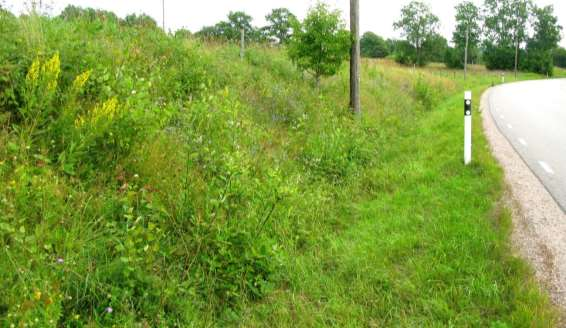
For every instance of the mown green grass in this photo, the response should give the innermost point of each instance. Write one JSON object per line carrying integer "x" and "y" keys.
{"x": 224, "y": 192}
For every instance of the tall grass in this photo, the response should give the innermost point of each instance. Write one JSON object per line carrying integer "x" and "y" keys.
{"x": 153, "y": 181}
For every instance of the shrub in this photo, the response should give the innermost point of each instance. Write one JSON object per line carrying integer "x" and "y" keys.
{"x": 560, "y": 57}
{"x": 426, "y": 94}
{"x": 501, "y": 58}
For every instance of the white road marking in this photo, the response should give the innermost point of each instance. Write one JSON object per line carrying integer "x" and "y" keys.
{"x": 509, "y": 126}
{"x": 546, "y": 167}
{"x": 523, "y": 142}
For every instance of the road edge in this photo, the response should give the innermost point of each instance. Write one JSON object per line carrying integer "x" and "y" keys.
{"x": 539, "y": 224}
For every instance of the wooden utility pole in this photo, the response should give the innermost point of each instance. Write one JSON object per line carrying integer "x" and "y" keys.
{"x": 242, "y": 43}
{"x": 466, "y": 53}
{"x": 355, "y": 105}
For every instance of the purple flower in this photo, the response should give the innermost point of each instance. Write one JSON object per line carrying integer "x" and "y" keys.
{"x": 109, "y": 310}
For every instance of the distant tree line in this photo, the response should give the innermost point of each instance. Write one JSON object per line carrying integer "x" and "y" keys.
{"x": 279, "y": 28}
{"x": 503, "y": 34}
{"x": 73, "y": 12}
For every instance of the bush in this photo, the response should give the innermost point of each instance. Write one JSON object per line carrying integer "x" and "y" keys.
{"x": 426, "y": 94}
{"x": 373, "y": 46}
{"x": 454, "y": 58}
{"x": 500, "y": 58}
{"x": 560, "y": 57}
{"x": 541, "y": 62}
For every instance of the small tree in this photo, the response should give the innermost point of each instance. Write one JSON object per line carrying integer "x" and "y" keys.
{"x": 281, "y": 23}
{"x": 418, "y": 25}
{"x": 321, "y": 43}
{"x": 373, "y": 46}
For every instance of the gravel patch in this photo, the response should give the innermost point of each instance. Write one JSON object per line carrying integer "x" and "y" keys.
{"x": 539, "y": 224}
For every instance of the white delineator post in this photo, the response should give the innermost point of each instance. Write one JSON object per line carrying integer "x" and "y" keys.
{"x": 467, "y": 127}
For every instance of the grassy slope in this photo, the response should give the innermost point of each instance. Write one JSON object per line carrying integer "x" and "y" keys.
{"x": 431, "y": 248}
{"x": 374, "y": 222}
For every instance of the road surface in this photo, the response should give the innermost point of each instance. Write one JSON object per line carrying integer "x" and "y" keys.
{"x": 532, "y": 116}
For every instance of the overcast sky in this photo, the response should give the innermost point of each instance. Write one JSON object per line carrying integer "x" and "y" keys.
{"x": 376, "y": 15}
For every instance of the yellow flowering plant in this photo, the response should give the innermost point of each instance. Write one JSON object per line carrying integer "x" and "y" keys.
{"x": 41, "y": 84}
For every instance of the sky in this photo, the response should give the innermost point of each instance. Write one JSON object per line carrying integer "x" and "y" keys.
{"x": 377, "y": 16}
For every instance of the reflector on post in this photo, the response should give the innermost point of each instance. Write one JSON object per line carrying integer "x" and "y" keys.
{"x": 467, "y": 127}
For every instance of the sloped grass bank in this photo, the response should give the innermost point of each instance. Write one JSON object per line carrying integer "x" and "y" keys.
{"x": 432, "y": 249}
{"x": 149, "y": 181}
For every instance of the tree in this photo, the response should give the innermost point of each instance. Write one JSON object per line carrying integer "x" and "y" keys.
{"x": 141, "y": 20}
{"x": 560, "y": 57}
{"x": 467, "y": 32}
{"x": 541, "y": 47}
{"x": 280, "y": 26}
{"x": 320, "y": 43}
{"x": 230, "y": 30}
{"x": 434, "y": 48}
{"x": 506, "y": 29}
{"x": 373, "y": 46}
{"x": 418, "y": 24}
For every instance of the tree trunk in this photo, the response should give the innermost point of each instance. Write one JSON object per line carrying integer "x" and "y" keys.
{"x": 466, "y": 54}
{"x": 355, "y": 105}
{"x": 516, "y": 57}
{"x": 242, "y": 43}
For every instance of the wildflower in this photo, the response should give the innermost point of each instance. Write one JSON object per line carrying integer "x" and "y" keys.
{"x": 37, "y": 295}
{"x": 80, "y": 121}
{"x": 60, "y": 260}
{"x": 52, "y": 69}
{"x": 109, "y": 310}
{"x": 33, "y": 72}
{"x": 81, "y": 80}
{"x": 136, "y": 176}
{"x": 107, "y": 110}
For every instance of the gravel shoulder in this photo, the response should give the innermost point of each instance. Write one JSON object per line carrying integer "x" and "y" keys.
{"x": 539, "y": 224}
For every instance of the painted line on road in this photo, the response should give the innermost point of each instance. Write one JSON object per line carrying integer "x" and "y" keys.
{"x": 523, "y": 142}
{"x": 546, "y": 167}
{"x": 509, "y": 126}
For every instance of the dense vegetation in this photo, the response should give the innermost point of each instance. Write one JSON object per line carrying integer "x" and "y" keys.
{"x": 150, "y": 180}
{"x": 517, "y": 35}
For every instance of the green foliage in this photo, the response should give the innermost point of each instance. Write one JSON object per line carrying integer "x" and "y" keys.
{"x": 320, "y": 43}
{"x": 281, "y": 22}
{"x": 454, "y": 58}
{"x": 418, "y": 26}
{"x": 75, "y": 13}
{"x": 183, "y": 33}
{"x": 499, "y": 58}
{"x": 435, "y": 48}
{"x": 426, "y": 94}
{"x": 141, "y": 20}
{"x": 148, "y": 180}
{"x": 560, "y": 57}
{"x": 545, "y": 39}
{"x": 373, "y": 46}
{"x": 230, "y": 30}
{"x": 468, "y": 26}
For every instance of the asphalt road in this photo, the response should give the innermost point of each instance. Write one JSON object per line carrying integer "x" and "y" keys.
{"x": 532, "y": 115}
